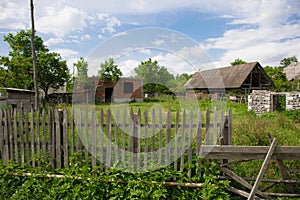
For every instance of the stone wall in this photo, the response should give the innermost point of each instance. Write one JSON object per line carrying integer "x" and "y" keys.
{"x": 259, "y": 101}
{"x": 293, "y": 101}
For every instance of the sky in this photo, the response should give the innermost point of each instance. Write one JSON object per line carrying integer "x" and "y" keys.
{"x": 184, "y": 36}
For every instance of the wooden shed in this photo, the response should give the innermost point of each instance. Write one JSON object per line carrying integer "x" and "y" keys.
{"x": 16, "y": 97}
{"x": 243, "y": 78}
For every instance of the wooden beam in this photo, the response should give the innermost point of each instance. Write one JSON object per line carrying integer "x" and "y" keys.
{"x": 249, "y": 152}
{"x": 262, "y": 170}
{"x": 239, "y": 192}
{"x": 241, "y": 181}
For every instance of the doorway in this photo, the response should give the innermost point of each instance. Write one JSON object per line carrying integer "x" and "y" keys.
{"x": 108, "y": 95}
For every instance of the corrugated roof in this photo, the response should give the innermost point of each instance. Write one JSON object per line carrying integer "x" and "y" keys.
{"x": 292, "y": 71}
{"x": 225, "y": 77}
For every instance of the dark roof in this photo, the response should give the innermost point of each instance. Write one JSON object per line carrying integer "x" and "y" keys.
{"x": 292, "y": 71}
{"x": 226, "y": 77}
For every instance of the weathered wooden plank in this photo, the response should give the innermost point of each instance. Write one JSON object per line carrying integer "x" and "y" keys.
{"x": 109, "y": 139}
{"x": 199, "y": 140}
{"x": 239, "y": 192}
{"x": 1, "y": 135}
{"x": 15, "y": 127}
{"x": 138, "y": 139}
{"x": 38, "y": 137}
{"x": 153, "y": 120}
{"x": 190, "y": 140}
{"x": 249, "y": 152}
{"x": 215, "y": 128}
{"x": 57, "y": 138}
{"x": 94, "y": 139}
{"x": 27, "y": 136}
{"x": 262, "y": 170}
{"x": 229, "y": 126}
{"x": 116, "y": 127}
{"x": 86, "y": 135}
{"x": 123, "y": 127}
{"x": 44, "y": 143}
{"x": 65, "y": 138}
{"x": 207, "y": 127}
{"x": 72, "y": 131}
{"x": 183, "y": 136}
{"x": 240, "y": 180}
{"x": 176, "y": 151}
{"x": 32, "y": 132}
{"x": 146, "y": 138}
{"x": 168, "y": 137}
{"x": 22, "y": 136}
{"x": 101, "y": 139}
{"x": 10, "y": 135}
{"x": 160, "y": 129}
{"x": 6, "y": 137}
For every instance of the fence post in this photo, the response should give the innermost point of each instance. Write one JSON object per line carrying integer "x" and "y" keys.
{"x": 226, "y": 132}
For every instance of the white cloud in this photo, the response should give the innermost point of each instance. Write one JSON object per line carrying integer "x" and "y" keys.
{"x": 54, "y": 41}
{"x": 13, "y": 18}
{"x": 158, "y": 42}
{"x": 111, "y": 22}
{"x": 61, "y": 21}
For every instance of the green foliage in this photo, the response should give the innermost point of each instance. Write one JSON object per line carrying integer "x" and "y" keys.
{"x": 287, "y": 61}
{"x": 16, "y": 69}
{"x": 238, "y": 61}
{"x": 113, "y": 184}
{"x": 109, "y": 71}
{"x": 279, "y": 79}
{"x": 82, "y": 71}
{"x": 156, "y": 78}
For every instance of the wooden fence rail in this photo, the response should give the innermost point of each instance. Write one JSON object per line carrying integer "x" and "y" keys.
{"x": 108, "y": 137}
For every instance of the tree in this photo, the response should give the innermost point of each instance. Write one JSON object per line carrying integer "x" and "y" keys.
{"x": 279, "y": 78}
{"x": 238, "y": 61}
{"x": 179, "y": 81}
{"x": 109, "y": 71}
{"x": 82, "y": 71}
{"x": 287, "y": 61}
{"x": 52, "y": 70}
{"x": 156, "y": 78}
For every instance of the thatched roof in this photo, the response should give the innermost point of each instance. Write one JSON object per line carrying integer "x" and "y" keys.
{"x": 292, "y": 71}
{"x": 231, "y": 77}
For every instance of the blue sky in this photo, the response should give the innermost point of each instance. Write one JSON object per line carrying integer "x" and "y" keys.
{"x": 207, "y": 33}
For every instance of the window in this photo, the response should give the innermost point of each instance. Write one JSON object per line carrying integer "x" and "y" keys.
{"x": 128, "y": 87}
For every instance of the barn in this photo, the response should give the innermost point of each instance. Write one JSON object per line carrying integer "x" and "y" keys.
{"x": 238, "y": 78}
{"x": 16, "y": 97}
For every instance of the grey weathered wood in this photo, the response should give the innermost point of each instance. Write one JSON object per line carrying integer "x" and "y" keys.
{"x": 22, "y": 133}
{"x": 168, "y": 137}
{"x": 131, "y": 132}
{"x": 190, "y": 140}
{"x": 153, "y": 134}
{"x": 94, "y": 139}
{"x": 116, "y": 126}
{"x": 215, "y": 129}
{"x": 146, "y": 138}
{"x": 86, "y": 135}
{"x": 249, "y": 152}
{"x": 1, "y": 135}
{"x": 123, "y": 127}
{"x": 262, "y": 170}
{"x": 240, "y": 180}
{"x": 27, "y": 136}
{"x": 160, "y": 128}
{"x": 109, "y": 141}
{"x": 101, "y": 139}
{"x": 199, "y": 140}
{"x": 44, "y": 142}
{"x": 51, "y": 134}
{"x": 183, "y": 136}
{"x": 57, "y": 139}
{"x": 15, "y": 128}
{"x": 138, "y": 139}
{"x": 207, "y": 128}
{"x": 229, "y": 127}
{"x": 176, "y": 151}
{"x": 32, "y": 137}
{"x": 239, "y": 192}
{"x": 72, "y": 131}
{"x": 38, "y": 137}
{"x": 6, "y": 138}
{"x": 65, "y": 138}
{"x": 10, "y": 134}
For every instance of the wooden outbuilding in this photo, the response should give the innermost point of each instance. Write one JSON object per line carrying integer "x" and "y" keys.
{"x": 16, "y": 97}
{"x": 242, "y": 78}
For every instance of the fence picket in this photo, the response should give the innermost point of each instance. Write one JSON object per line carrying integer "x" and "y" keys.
{"x": 108, "y": 141}
{"x": 94, "y": 140}
{"x": 146, "y": 127}
{"x": 116, "y": 149}
{"x": 182, "y": 147}
{"x": 1, "y": 135}
{"x": 22, "y": 136}
{"x": 168, "y": 138}
{"x": 6, "y": 136}
{"x": 207, "y": 128}
{"x": 176, "y": 142}
{"x": 101, "y": 140}
{"x": 190, "y": 139}
{"x": 44, "y": 143}
{"x": 15, "y": 127}
{"x": 11, "y": 141}
{"x": 86, "y": 135}
{"x": 160, "y": 128}
{"x": 57, "y": 139}
{"x": 79, "y": 136}
{"x": 124, "y": 135}
{"x": 65, "y": 137}
{"x": 27, "y": 136}
{"x": 38, "y": 137}
{"x": 199, "y": 139}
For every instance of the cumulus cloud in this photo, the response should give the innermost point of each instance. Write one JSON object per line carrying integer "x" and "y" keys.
{"x": 61, "y": 21}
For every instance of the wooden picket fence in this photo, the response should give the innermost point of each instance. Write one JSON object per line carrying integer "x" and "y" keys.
{"x": 107, "y": 137}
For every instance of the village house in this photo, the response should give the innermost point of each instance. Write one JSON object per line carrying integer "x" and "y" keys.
{"x": 216, "y": 82}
